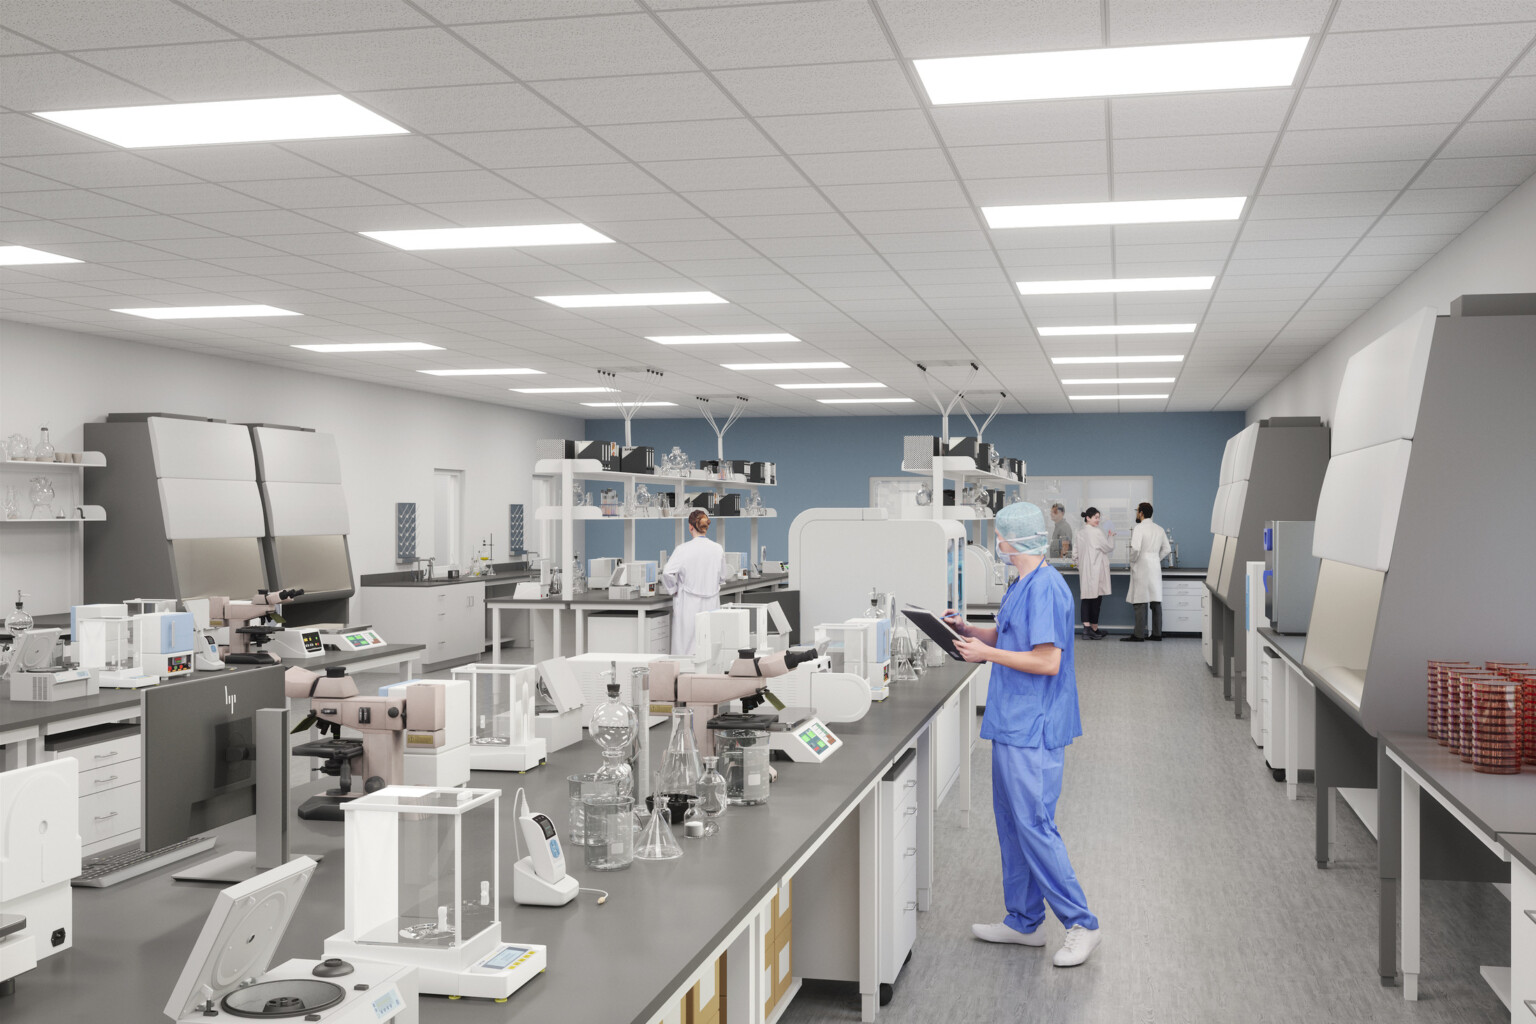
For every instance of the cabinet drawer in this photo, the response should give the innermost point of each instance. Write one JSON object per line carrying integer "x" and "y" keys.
{"x": 109, "y": 750}
{"x": 904, "y": 855}
{"x": 99, "y": 780}
{"x": 104, "y": 815}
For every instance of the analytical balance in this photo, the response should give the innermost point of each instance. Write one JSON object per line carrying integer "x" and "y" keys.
{"x": 227, "y": 974}
{"x": 503, "y": 699}
{"x": 359, "y": 639}
{"x": 803, "y": 738}
{"x": 423, "y": 889}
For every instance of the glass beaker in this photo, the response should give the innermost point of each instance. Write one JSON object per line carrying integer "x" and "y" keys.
{"x": 610, "y": 832}
{"x": 744, "y": 755}
{"x": 583, "y": 785}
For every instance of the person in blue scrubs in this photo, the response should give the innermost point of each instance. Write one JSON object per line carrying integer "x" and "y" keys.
{"x": 1031, "y": 718}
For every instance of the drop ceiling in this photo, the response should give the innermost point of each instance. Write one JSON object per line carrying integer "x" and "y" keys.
{"x": 782, "y": 155}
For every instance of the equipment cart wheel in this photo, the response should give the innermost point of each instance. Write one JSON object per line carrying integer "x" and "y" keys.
{"x": 886, "y": 992}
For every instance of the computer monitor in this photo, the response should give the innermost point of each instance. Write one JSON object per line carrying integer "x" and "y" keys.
{"x": 200, "y": 759}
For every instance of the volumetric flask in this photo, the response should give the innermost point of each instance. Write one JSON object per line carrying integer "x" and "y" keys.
{"x": 610, "y": 826}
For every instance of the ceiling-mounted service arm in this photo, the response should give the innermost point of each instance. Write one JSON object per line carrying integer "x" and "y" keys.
{"x": 709, "y": 416}
{"x": 945, "y": 407}
{"x": 648, "y": 386}
{"x": 1002, "y": 396}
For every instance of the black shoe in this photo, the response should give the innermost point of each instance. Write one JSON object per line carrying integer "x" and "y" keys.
{"x": 1155, "y": 639}
{"x": 1133, "y": 639}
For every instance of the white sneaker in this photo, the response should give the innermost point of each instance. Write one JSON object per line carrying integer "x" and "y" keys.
{"x": 1080, "y": 942}
{"x": 1003, "y": 933}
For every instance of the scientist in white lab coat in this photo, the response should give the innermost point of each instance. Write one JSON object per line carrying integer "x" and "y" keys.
{"x": 693, "y": 576}
{"x": 1094, "y": 547}
{"x": 1149, "y": 546}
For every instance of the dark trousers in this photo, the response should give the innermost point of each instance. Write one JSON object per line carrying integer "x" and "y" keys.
{"x": 1091, "y": 609}
{"x": 1157, "y": 618}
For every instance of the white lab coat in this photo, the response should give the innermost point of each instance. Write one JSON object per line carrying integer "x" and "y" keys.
{"x": 1149, "y": 546}
{"x": 692, "y": 576}
{"x": 1092, "y": 548}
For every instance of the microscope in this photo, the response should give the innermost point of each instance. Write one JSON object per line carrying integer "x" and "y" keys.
{"x": 388, "y": 725}
{"x": 253, "y": 633}
{"x": 705, "y": 692}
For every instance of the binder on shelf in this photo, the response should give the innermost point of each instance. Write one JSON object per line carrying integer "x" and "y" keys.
{"x": 639, "y": 459}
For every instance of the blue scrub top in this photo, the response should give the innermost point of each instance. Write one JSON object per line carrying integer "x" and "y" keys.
{"x": 1025, "y": 709}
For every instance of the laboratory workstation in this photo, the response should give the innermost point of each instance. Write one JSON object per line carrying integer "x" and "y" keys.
{"x": 704, "y": 512}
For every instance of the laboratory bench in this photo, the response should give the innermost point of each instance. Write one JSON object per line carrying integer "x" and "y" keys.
{"x": 506, "y": 573}
{"x": 1181, "y": 599}
{"x": 663, "y": 925}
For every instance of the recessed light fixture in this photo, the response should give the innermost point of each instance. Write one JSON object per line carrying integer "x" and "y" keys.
{"x": 519, "y": 371}
{"x": 1101, "y": 360}
{"x": 1119, "y": 380}
{"x": 21, "y": 256}
{"x": 832, "y": 387}
{"x": 863, "y": 401}
{"x": 1116, "y": 284}
{"x": 203, "y": 124}
{"x": 1138, "y": 211}
{"x": 1067, "y": 332}
{"x": 1113, "y": 71}
{"x": 206, "y": 312}
{"x": 624, "y": 405}
{"x": 1114, "y": 398}
{"x": 374, "y": 346}
{"x": 490, "y": 238}
{"x": 632, "y": 299}
{"x": 784, "y": 366}
{"x": 563, "y": 391}
{"x": 721, "y": 339}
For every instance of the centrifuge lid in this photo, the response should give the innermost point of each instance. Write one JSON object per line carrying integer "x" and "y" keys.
{"x": 240, "y": 936}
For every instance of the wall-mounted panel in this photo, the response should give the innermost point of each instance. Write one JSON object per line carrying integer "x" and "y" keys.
{"x": 210, "y": 508}
{"x": 1228, "y": 461}
{"x": 306, "y": 509}
{"x": 1242, "y": 454}
{"x": 1358, "y": 507}
{"x": 297, "y": 456}
{"x": 1232, "y": 515}
{"x": 1219, "y": 513}
{"x": 200, "y": 450}
{"x": 1383, "y": 382}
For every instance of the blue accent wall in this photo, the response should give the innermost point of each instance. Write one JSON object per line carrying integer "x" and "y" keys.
{"x": 827, "y": 461}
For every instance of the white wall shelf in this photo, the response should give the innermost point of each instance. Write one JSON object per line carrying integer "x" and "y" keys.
{"x": 45, "y": 557}
{"x": 93, "y": 514}
{"x": 95, "y": 459}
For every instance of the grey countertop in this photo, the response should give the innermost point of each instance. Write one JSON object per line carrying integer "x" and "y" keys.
{"x": 506, "y": 572}
{"x": 16, "y": 714}
{"x": 1291, "y": 647}
{"x": 1521, "y": 846}
{"x": 1495, "y": 803}
{"x": 595, "y": 600}
{"x": 607, "y": 964}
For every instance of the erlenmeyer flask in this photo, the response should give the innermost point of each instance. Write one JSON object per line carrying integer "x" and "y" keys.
{"x": 680, "y": 768}
{"x": 657, "y": 841}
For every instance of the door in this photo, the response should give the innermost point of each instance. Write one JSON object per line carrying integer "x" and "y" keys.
{"x": 448, "y": 516}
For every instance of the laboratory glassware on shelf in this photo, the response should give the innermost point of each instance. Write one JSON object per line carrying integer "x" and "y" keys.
{"x": 42, "y": 497}
{"x": 18, "y": 448}
{"x": 11, "y": 503}
{"x": 712, "y": 800}
{"x": 18, "y": 621}
{"x": 43, "y": 451}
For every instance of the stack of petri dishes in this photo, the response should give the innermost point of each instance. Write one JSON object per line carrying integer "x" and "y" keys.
{"x": 1519, "y": 672}
{"x": 1438, "y": 704}
{"x": 1495, "y": 725}
{"x": 1461, "y": 690}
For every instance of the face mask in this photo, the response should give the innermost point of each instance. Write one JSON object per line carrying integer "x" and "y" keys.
{"x": 1006, "y": 557}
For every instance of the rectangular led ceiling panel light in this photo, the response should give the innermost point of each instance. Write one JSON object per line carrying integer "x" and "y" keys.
{"x": 831, "y": 387}
{"x": 632, "y": 299}
{"x": 1101, "y": 360}
{"x": 624, "y": 405}
{"x": 513, "y": 372}
{"x": 863, "y": 401}
{"x": 1116, "y": 284}
{"x": 1068, "y": 332}
{"x": 374, "y": 346}
{"x": 721, "y": 339}
{"x": 1135, "y": 211}
{"x": 225, "y": 121}
{"x": 1119, "y": 380}
{"x": 21, "y": 256}
{"x": 206, "y": 312}
{"x": 563, "y": 391}
{"x": 489, "y": 238}
{"x": 784, "y": 366}
{"x": 1113, "y": 71}
{"x": 1114, "y": 398}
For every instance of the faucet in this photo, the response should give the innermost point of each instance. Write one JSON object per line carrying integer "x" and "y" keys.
{"x": 430, "y": 563}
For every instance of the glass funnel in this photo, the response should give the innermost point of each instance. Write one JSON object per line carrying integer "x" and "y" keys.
{"x": 657, "y": 841}
{"x": 680, "y": 768}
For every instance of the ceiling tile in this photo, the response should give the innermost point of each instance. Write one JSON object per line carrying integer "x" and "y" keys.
{"x": 1472, "y": 172}
{"x": 1464, "y": 51}
{"x": 445, "y": 186}
{"x": 875, "y": 167}
{"x": 1022, "y": 123}
{"x": 95, "y": 170}
{"x": 1350, "y": 177}
{"x": 1513, "y": 99}
{"x": 735, "y": 137}
{"x": 207, "y": 71}
{"x": 463, "y": 12}
{"x": 1246, "y": 149}
{"x": 73, "y": 26}
{"x": 823, "y": 32}
{"x": 758, "y": 201}
{"x": 1364, "y": 106}
{"x": 283, "y": 17}
{"x": 837, "y": 133}
{"x": 394, "y": 59}
{"x": 497, "y": 106}
{"x": 1355, "y": 15}
{"x": 307, "y": 193}
{"x": 1492, "y": 138}
{"x": 1449, "y": 200}
{"x": 1329, "y": 145}
{"x": 1137, "y": 22}
{"x": 52, "y": 81}
{"x": 639, "y": 99}
{"x": 899, "y": 196}
{"x": 583, "y": 180}
{"x": 925, "y": 29}
{"x": 820, "y": 88}
{"x": 1027, "y": 161}
{"x": 627, "y": 44}
{"x": 399, "y": 154}
{"x": 67, "y": 203}
{"x": 735, "y": 172}
{"x": 1334, "y": 204}
{"x": 1211, "y": 113}
{"x": 534, "y": 147}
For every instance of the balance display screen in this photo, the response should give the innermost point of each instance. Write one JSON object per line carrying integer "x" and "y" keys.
{"x": 386, "y": 1005}
{"x": 818, "y": 738}
{"x": 505, "y": 958}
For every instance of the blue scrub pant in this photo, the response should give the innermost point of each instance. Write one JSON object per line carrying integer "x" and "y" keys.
{"x": 1026, "y": 782}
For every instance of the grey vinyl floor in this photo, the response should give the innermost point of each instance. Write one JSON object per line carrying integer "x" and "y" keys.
{"x": 1202, "y": 876}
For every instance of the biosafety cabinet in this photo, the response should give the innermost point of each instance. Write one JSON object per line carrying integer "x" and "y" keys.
{"x": 836, "y": 555}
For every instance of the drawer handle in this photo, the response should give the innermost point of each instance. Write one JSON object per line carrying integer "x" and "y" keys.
{"x": 110, "y": 753}
{"x": 103, "y": 782}
{"x": 911, "y": 905}
{"x": 910, "y": 811}
{"x": 911, "y": 783}
{"x": 911, "y": 851}
{"x": 104, "y": 817}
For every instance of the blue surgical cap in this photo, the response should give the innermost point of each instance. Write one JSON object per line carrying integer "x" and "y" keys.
{"x": 1023, "y": 525}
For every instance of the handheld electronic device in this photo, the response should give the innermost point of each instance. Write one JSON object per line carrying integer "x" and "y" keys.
{"x": 543, "y": 846}
{"x": 540, "y": 878}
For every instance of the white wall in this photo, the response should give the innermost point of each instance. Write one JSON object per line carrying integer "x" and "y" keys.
{"x": 390, "y": 439}
{"x": 1496, "y": 255}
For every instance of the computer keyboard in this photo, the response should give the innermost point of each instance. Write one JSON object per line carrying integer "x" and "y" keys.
{"x": 116, "y": 866}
